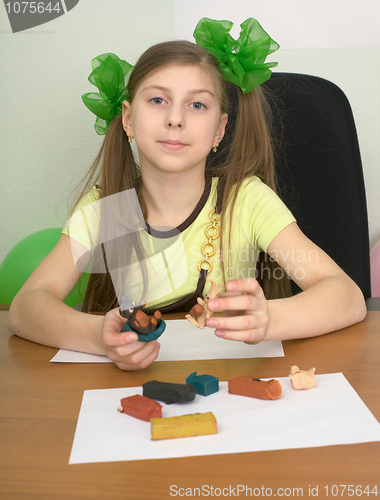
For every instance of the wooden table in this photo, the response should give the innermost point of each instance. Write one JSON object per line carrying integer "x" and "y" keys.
{"x": 40, "y": 404}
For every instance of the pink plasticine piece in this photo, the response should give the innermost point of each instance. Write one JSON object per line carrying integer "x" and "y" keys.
{"x": 302, "y": 379}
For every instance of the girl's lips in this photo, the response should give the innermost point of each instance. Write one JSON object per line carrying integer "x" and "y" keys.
{"x": 173, "y": 145}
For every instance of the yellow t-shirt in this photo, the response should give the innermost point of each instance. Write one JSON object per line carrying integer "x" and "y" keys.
{"x": 172, "y": 263}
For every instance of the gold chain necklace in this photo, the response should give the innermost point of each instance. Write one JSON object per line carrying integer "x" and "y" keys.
{"x": 209, "y": 243}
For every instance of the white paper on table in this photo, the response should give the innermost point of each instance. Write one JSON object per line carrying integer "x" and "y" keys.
{"x": 183, "y": 341}
{"x": 330, "y": 414}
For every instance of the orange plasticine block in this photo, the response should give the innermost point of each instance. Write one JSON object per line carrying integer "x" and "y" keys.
{"x": 254, "y": 388}
{"x": 141, "y": 407}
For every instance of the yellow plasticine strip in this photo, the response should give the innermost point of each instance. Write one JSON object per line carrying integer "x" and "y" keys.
{"x": 197, "y": 424}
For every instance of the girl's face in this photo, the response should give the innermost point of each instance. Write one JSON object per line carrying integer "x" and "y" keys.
{"x": 175, "y": 119}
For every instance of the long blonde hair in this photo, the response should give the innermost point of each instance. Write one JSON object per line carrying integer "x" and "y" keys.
{"x": 251, "y": 153}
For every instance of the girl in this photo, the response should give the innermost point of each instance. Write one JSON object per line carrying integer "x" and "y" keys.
{"x": 224, "y": 212}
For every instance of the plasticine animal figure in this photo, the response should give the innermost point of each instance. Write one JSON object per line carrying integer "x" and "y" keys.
{"x": 302, "y": 379}
{"x": 199, "y": 314}
{"x": 139, "y": 321}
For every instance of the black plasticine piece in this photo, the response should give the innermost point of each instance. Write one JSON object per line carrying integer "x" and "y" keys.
{"x": 169, "y": 393}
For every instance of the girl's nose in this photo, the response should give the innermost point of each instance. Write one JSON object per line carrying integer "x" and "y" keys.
{"x": 175, "y": 118}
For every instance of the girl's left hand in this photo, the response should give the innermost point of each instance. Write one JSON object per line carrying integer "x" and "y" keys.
{"x": 246, "y": 309}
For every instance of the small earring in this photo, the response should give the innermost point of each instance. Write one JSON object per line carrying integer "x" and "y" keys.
{"x": 215, "y": 149}
{"x": 130, "y": 139}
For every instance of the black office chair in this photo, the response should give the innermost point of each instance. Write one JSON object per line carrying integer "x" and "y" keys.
{"x": 318, "y": 167}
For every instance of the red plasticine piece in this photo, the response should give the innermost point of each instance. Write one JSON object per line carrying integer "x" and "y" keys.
{"x": 141, "y": 407}
{"x": 253, "y": 388}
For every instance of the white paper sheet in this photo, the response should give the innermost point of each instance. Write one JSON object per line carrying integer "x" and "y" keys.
{"x": 330, "y": 414}
{"x": 183, "y": 341}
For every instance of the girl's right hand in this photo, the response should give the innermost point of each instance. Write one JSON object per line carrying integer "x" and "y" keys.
{"x": 123, "y": 348}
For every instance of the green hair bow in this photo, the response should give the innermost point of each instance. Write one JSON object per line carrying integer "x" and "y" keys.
{"x": 241, "y": 61}
{"x": 110, "y": 75}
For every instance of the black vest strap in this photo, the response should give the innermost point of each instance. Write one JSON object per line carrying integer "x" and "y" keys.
{"x": 186, "y": 303}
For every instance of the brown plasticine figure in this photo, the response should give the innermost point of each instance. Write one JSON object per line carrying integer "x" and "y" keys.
{"x": 200, "y": 313}
{"x": 139, "y": 321}
{"x": 302, "y": 379}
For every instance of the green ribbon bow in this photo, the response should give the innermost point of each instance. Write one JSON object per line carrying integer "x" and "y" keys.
{"x": 110, "y": 75}
{"x": 241, "y": 61}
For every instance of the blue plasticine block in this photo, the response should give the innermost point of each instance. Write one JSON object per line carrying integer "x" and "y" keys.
{"x": 204, "y": 384}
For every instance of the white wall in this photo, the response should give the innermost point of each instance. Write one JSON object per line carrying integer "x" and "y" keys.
{"x": 47, "y": 138}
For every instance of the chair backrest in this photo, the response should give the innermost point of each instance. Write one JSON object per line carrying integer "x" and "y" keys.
{"x": 318, "y": 167}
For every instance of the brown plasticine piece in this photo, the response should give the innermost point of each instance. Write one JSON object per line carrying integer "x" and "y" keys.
{"x": 196, "y": 311}
{"x": 139, "y": 321}
{"x": 254, "y": 388}
{"x": 302, "y": 379}
{"x": 200, "y": 313}
{"x": 141, "y": 407}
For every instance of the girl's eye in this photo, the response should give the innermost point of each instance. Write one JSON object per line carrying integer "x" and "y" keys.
{"x": 157, "y": 100}
{"x": 197, "y": 105}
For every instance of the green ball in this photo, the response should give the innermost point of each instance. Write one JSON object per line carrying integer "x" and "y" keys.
{"x": 23, "y": 259}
